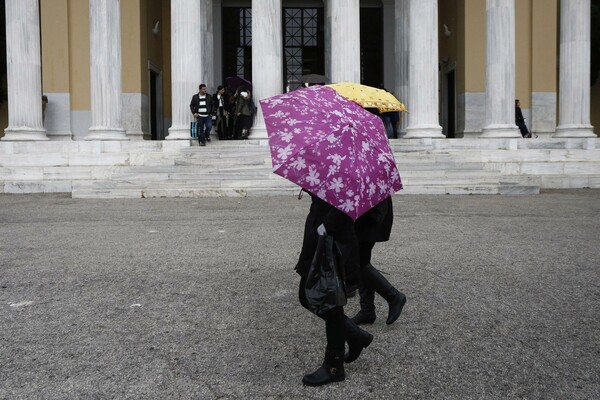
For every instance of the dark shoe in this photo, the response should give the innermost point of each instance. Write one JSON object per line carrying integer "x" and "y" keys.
{"x": 332, "y": 370}
{"x": 357, "y": 339}
{"x": 364, "y": 317}
{"x": 202, "y": 144}
{"x": 373, "y": 279}
{"x": 208, "y": 139}
{"x": 396, "y": 303}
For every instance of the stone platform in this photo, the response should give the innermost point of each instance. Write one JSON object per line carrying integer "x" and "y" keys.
{"x": 137, "y": 169}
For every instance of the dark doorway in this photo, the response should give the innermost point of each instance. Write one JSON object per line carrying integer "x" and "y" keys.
{"x": 371, "y": 46}
{"x": 237, "y": 42}
{"x": 3, "y": 70}
{"x": 154, "y": 131}
{"x": 450, "y": 101}
{"x": 303, "y": 44}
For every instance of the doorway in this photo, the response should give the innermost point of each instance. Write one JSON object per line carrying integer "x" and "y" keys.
{"x": 157, "y": 131}
{"x": 449, "y": 104}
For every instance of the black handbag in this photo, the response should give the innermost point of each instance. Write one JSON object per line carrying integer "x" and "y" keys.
{"x": 324, "y": 286}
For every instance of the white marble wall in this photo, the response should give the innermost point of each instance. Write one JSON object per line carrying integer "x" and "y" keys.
{"x": 267, "y": 45}
{"x": 470, "y": 114}
{"x": 135, "y": 115}
{"x": 500, "y": 70}
{"x": 343, "y": 17}
{"x": 186, "y": 63}
{"x": 24, "y": 72}
{"x": 58, "y": 116}
{"x": 401, "y": 33}
{"x": 105, "y": 71}
{"x": 423, "y": 70}
{"x": 574, "y": 80}
{"x": 543, "y": 113}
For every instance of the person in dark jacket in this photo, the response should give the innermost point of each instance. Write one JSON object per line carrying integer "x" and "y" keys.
{"x": 202, "y": 109}
{"x": 372, "y": 227}
{"x": 222, "y": 104}
{"x": 326, "y": 219}
{"x": 520, "y": 120}
{"x": 243, "y": 112}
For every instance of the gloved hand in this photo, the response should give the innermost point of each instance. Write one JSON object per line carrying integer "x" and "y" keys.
{"x": 321, "y": 230}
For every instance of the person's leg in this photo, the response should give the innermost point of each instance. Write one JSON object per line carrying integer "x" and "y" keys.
{"x": 208, "y": 127}
{"x": 372, "y": 278}
{"x": 332, "y": 369}
{"x": 366, "y": 315}
{"x": 200, "y": 131}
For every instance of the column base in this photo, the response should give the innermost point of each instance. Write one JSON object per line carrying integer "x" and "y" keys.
{"x": 25, "y": 134}
{"x": 574, "y": 131}
{"x": 179, "y": 134}
{"x": 424, "y": 131}
{"x": 106, "y": 134}
{"x": 258, "y": 132}
{"x": 500, "y": 131}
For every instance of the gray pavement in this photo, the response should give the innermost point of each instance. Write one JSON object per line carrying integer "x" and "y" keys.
{"x": 197, "y": 299}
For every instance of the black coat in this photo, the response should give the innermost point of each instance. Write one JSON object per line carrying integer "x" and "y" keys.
{"x": 338, "y": 225}
{"x": 195, "y": 103}
{"x": 376, "y": 224}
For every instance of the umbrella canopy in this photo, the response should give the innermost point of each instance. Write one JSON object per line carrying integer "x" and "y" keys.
{"x": 369, "y": 97}
{"x": 331, "y": 147}
{"x": 313, "y": 78}
{"x": 234, "y": 82}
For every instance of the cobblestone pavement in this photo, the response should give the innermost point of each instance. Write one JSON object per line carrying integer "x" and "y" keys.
{"x": 197, "y": 299}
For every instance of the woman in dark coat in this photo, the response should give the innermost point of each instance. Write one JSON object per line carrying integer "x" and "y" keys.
{"x": 375, "y": 226}
{"x": 324, "y": 218}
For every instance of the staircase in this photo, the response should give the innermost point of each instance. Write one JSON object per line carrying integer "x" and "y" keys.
{"x": 138, "y": 169}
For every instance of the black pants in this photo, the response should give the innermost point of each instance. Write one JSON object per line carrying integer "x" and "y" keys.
{"x": 365, "y": 253}
{"x": 334, "y": 321}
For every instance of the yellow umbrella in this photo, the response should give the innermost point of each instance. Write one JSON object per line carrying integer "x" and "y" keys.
{"x": 369, "y": 97}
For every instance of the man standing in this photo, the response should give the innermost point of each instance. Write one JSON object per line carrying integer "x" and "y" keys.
{"x": 221, "y": 103}
{"x": 202, "y": 109}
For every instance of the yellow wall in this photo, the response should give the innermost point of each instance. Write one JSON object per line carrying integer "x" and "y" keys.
{"x": 474, "y": 43}
{"x": 130, "y": 46}
{"x": 79, "y": 51}
{"x": 595, "y": 108}
{"x": 55, "y": 46}
{"x": 523, "y": 52}
{"x": 544, "y": 45}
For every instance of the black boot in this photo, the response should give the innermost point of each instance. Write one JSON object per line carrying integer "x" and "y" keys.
{"x": 357, "y": 339}
{"x": 366, "y": 315}
{"x": 332, "y": 370}
{"x": 372, "y": 278}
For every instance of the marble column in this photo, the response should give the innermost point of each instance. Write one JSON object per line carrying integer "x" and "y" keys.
{"x": 208, "y": 51}
{"x": 500, "y": 70}
{"x": 574, "y": 80}
{"x": 402, "y": 31}
{"x": 423, "y": 71}
{"x": 343, "y": 19}
{"x": 187, "y": 66}
{"x": 105, "y": 71}
{"x": 267, "y": 45}
{"x": 24, "y": 71}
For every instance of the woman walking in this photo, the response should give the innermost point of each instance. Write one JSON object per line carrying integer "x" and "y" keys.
{"x": 325, "y": 219}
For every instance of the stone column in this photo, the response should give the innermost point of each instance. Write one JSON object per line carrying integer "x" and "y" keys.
{"x": 208, "y": 51}
{"x": 267, "y": 45}
{"x": 187, "y": 65}
{"x": 574, "y": 80}
{"x": 402, "y": 32}
{"x": 105, "y": 71}
{"x": 500, "y": 70}
{"x": 343, "y": 18}
{"x": 423, "y": 71}
{"x": 24, "y": 71}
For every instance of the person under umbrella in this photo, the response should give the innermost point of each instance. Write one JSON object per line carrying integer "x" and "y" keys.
{"x": 326, "y": 219}
{"x": 339, "y": 154}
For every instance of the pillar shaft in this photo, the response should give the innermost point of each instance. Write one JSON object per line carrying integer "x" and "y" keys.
{"x": 574, "y": 81}
{"x": 105, "y": 71}
{"x": 402, "y": 31}
{"x": 187, "y": 66}
{"x": 423, "y": 70}
{"x": 500, "y": 70}
{"x": 267, "y": 44}
{"x": 343, "y": 19}
{"x": 24, "y": 72}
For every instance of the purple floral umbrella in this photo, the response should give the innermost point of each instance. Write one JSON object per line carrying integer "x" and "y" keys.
{"x": 331, "y": 147}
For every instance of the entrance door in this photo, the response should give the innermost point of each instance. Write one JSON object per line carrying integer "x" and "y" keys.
{"x": 449, "y": 104}
{"x": 155, "y": 102}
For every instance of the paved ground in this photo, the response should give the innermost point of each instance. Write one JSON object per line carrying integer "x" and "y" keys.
{"x": 196, "y": 299}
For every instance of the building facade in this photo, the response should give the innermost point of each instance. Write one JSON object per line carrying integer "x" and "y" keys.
{"x": 126, "y": 70}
